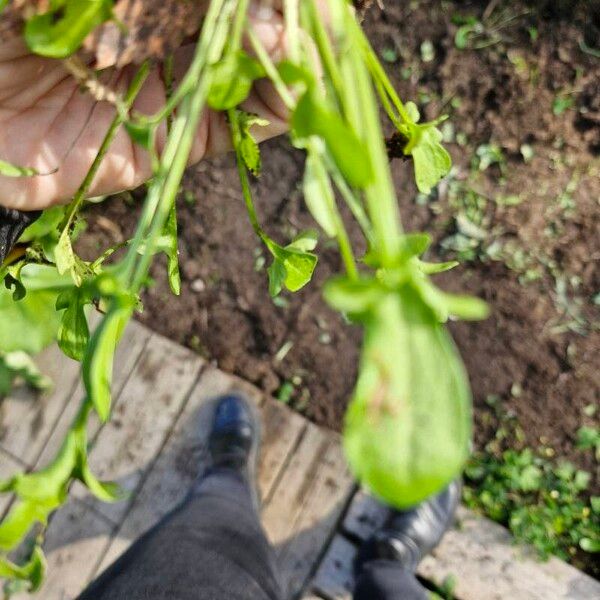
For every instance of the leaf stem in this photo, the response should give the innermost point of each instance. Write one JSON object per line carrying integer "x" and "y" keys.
{"x": 271, "y": 70}
{"x": 82, "y": 191}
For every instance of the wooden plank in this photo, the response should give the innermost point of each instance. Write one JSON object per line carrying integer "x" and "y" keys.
{"x": 482, "y": 557}
{"x": 365, "y": 515}
{"x": 334, "y": 579}
{"x": 181, "y": 460}
{"x": 8, "y": 467}
{"x": 306, "y": 505}
{"x": 75, "y": 541}
{"x": 129, "y": 350}
{"x": 281, "y": 431}
{"x": 150, "y": 402}
{"x": 26, "y": 418}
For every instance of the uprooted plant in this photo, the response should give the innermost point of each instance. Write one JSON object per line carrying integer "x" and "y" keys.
{"x": 408, "y": 427}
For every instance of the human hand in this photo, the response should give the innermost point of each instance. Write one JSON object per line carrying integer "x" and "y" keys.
{"x": 47, "y": 123}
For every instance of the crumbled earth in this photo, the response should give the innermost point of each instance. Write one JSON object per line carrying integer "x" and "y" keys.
{"x": 520, "y": 210}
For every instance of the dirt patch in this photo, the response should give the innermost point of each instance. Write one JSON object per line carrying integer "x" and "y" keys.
{"x": 531, "y": 97}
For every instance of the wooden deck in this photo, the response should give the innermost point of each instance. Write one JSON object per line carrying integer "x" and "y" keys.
{"x": 311, "y": 509}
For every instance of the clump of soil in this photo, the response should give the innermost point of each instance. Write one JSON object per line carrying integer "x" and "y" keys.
{"x": 539, "y": 350}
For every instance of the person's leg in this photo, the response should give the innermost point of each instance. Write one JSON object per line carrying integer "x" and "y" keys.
{"x": 386, "y": 580}
{"x": 212, "y": 547}
{"x": 386, "y": 564}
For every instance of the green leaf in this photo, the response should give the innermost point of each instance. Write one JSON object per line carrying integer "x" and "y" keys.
{"x": 172, "y": 251}
{"x": 408, "y": 427}
{"x": 98, "y": 360}
{"x": 590, "y": 545}
{"x": 232, "y": 79}
{"x": 74, "y": 333}
{"x": 431, "y": 160}
{"x": 46, "y": 225}
{"x": 9, "y": 170}
{"x": 64, "y": 255}
{"x": 32, "y": 323}
{"x": 248, "y": 147}
{"x": 22, "y": 516}
{"x": 414, "y": 244}
{"x": 105, "y": 491}
{"x": 19, "y": 364}
{"x": 33, "y": 572}
{"x": 305, "y": 242}
{"x": 313, "y": 117}
{"x": 292, "y": 266}
{"x": 292, "y": 73}
{"x": 318, "y": 194}
{"x": 434, "y": 268}
{"x": 61, "y": 31}
{"x": 353, "y": 296}
{"x": 530, "y": 478}
{"x": 447, "y": 305}
{"x": 12, "y": 279}
{"x": 142, "y": 134}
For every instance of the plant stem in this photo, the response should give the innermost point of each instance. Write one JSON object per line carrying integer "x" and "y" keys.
{"x": 82, "y": 191}
{"x": 271, "y": 70}
{"x": 325, "y": 48}
{"x": 236, "y": 138}
{"x": 291, "y": 12}
{"x": 380, "y": 196}
{"x": 164, "y": 187}
{"x": 238, "y": 25}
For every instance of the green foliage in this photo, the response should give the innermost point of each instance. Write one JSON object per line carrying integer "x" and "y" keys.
{"x": 588, "y": 438}
{"x": 313, "y": 117}
{"x": 411, "y": 379}
{"x": 293, "y": 265}
{"x": 411, "y": 388}
{"x": 232, "y": 80}
{"x": 59, "y": 32}
{"x": 35, "y": 313}
{"x": 19, "y": 365}
{"x": 544, "y": 502}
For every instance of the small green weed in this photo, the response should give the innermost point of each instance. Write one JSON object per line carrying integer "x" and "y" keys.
{"x": 542, "y": 499}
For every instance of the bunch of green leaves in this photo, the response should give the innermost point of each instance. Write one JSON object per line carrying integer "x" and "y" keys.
{"x": 51, "y": 285}
{"x": 412, "y": 387}
{"x": 544, "y": 501}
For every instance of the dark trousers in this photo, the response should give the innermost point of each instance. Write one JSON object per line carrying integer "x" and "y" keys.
{"x": 213, "y": 547}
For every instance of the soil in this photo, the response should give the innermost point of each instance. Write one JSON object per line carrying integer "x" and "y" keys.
{"x": 538, "y": 352}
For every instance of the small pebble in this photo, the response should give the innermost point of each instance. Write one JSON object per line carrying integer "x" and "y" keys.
{"x": 198, "y": 286}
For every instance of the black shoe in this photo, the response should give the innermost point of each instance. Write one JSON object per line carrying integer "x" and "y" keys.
{"x": 234, "y": 439}
{"x": 410, "y": 535}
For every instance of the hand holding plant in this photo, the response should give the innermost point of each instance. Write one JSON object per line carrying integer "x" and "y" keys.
{"x": 408, "y": 426}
